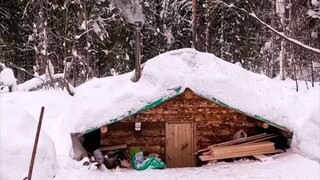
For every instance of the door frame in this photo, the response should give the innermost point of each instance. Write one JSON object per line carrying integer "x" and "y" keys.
{"x": 194, "y": 138}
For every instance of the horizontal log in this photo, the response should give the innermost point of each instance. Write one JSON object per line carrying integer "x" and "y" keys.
{"x": 115, "y": 147}
{"x": 133, "y": 141}
{"x": 128, "y": 129}
{"x": 133, "y": 133}
{"x": 188, "y": 110}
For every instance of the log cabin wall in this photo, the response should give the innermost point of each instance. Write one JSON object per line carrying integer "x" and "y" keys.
{"x": 214, "y": 124}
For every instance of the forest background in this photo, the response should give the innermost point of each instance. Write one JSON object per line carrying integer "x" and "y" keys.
{"x": 82, "y": 39}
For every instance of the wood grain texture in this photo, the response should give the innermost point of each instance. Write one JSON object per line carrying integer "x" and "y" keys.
{"x": 179, "y": 145}
{"x": 212, "y": 124}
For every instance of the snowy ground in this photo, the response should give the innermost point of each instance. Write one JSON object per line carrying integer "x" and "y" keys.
{"x": 300, "y": 162}
{"x": 285, "y": 166}
{"x": 289, "y": 165}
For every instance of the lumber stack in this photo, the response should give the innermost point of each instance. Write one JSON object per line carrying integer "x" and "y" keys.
{"x": 242, "y": 147}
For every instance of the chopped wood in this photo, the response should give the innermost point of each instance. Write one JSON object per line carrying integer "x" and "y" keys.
{"x": 227, "y": 151}
{"x": 206, "y": 153}
{"x": 116, "y": 147}
{"x": 238, "y": 141}
{"x": 244, "y": 154}
{"x": 211, "y": 158}
{"x": 241, "y": 140}
{"x": 262, "y": 139}
{"x": 268, "y": 143}
{"x": 207, "y": 158}
{"x": 250, "y": 146}
{"x": 243, "y": 147}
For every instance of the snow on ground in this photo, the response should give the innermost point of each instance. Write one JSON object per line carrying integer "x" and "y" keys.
{"x": 102, "y": 99}
{"x": 17, "y": 137}
{"x": 54, "y": 101}
{"x": 288, "y": 166}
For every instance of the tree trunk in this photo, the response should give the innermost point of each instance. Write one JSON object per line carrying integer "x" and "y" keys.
{"x": 281, "y": 62}
{"x": 312, "y": 74}
{"x": 208, "y": 26}
{"x": 87, "y": 43}
{"x": 282, "y": 73}
{"x": 222, "y": 37}
{"x": 273, "y": 60}
{"x": 42, "y": 45}
{"x": 194, "y": 18}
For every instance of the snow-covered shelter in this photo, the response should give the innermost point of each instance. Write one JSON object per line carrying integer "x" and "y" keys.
{"x": 184, "y": 101}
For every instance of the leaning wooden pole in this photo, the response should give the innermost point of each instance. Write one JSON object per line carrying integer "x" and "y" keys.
{"x": 35, "y": 144}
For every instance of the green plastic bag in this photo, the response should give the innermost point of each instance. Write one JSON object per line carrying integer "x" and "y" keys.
{"x": 140, "y": 163}
{"x": 149, "y": 163}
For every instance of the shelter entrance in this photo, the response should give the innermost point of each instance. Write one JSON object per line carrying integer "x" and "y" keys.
{"x": 180, "y": 144}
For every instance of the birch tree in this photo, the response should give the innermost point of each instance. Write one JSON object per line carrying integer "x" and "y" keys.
{"x": 281, "y": 11}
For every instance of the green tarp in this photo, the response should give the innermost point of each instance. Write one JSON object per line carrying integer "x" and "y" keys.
{"x": 179, "y": 91}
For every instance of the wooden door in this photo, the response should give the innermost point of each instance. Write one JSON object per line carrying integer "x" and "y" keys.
{"x": 180, "y": 145}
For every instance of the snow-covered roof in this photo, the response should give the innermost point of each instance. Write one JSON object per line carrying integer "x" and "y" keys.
{"x": 106, "y": 100}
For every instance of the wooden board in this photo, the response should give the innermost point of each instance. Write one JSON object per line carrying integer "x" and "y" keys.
{"x": 250, "y": 139}
{"x": 210, "y": 158}
{"x": 179, "y": 145}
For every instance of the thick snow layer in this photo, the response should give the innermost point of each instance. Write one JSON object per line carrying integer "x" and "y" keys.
{"x": 18, "y": 130}
{"x": 100, "y": 100}
{"x": 54, "y": 101}
{"x": 7, "y": 77}
{"x": 33, "y": 83}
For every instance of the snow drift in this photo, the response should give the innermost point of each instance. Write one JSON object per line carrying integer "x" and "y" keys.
{"x": 18, "y": 130}
{"x": 8, "y": 79}
{"x": 101, "y": 100}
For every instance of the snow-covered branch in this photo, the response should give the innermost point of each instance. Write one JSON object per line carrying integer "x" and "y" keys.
{"x": 85, "y": 32}
{"x": 281, "y": 34}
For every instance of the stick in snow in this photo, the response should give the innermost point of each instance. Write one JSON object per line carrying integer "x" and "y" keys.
{"x": 35, "y": 144}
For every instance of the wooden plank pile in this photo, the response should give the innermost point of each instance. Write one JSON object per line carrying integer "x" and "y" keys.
{"x": 242, "y": 147}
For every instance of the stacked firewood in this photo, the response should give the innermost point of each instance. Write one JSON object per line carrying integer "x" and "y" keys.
{"x": 242, "y": 147}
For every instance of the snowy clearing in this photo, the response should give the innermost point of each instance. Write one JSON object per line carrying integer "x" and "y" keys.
{"x": 100, "y": 100}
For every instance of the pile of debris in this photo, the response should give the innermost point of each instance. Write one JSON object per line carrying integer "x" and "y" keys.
{"x": 243, "y": 147}
{"x": 123, "y": 157}
{"x": 111, "y": 157}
